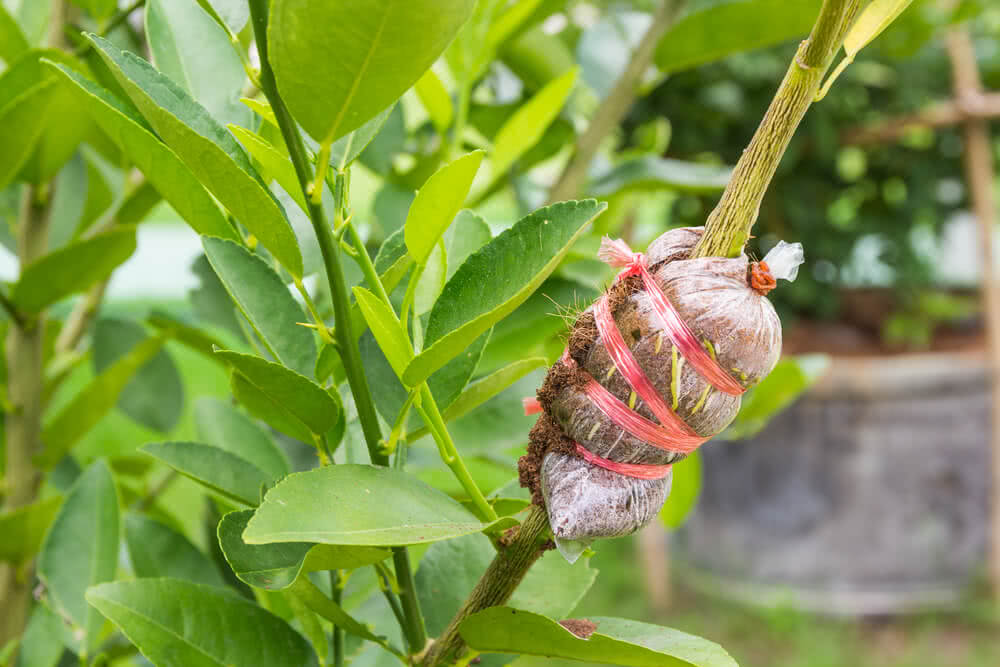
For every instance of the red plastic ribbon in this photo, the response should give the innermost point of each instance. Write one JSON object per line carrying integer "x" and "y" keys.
{"x": 618, "y": 254}
{"x": 637, "y": 470}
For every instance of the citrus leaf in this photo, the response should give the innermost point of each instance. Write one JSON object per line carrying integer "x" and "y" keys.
{"x": 157, "y": 550}
{"x": 363, "y": 505}
{"x": 265, "y": 301}
{"x": 228, "y": 475}
{"x": 209, "y": 151}
{"x": 24, "y": 527}
{"x": 182, "y": 624}
{"x": 357, "y": 56}
{"x": 437, "y": 203}
{"x": 221, "y": 425}
{"x": 655, "y": 173}
{"x": 616, "y": 641}
{"x": 496, "y": 279}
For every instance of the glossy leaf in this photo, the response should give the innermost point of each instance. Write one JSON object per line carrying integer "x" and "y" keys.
{"x": 467, "y": 234}
{"x": 265, "y": 301}
{"x": 182, "y": 624}
{"x": 314, "y": 406}
{"x": 209, "y": 151}
{"x": 160, "y": 165}
{"x": 526, "y": 126}
{"x": 685, "y": 486}
{"x": 221, "y": 425}
{"x": 346, "y": 150}
{"x": 157, "y": 550}
{"x": 437, "y": 203}
{"x": 497, "y": 279}
{"x": 154, "y": 397}
{"x": 22, "y": 121}
{"x": 655, "y": 173}
{"x": 194, "y": 338}
{"x": 98, "y": 9}
{"x": 194, "y": 51}
{"x": 275, "y": 164}
{"x": 39, "y": 646}
{"x": 265, "y": 408}
{"x": 24, "y": 527}
{"x": 211, "y": 302}
{"x": 94, "y": 401}
{"x": 277, "y": 566}
{"x": 434, "y": 96}
{"x": 81, "y": 548}
{"x": 724, "y": 28}
{"x": 363, "y": 505}
{"x": 873, "y": 19}
{"x": 449, "y": 571}
{"x": 616, "y": 641}
{"x": 393, "y": 261}
{"x": 72, "y": 269}
{"x": 386, "y": 328}
{"x": 357, "y": 56}
{"x": 228, "y": 475}
{"x": 13, "y": 43}
{"x": 233, "y": 14}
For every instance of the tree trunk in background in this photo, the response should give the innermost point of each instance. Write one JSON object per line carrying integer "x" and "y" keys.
{"x": 979, "y": 176}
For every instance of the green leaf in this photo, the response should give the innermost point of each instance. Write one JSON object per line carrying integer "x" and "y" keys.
{"x": 497, "y": 279}
{"x": 81, "y": 548}
{"x": 154, "y": 397}
{"x": 467, "y": 234}
{"x": 386, "y": 328}
{"x": 91, "y": 404}
{"x": 528, "y": 124}
{"x": 347, "y": 149}
{"x": 275, "y": 164}
{"x": 317, "y": 408}
{"x": 874, "y": 18}
{"x": 72, "y": 269}
{"x": 196, "y": 339}
{"x": 24, "y": 527}
{"x": 434, "y": 96}
{"x": 98, "y": 9}
{"x": 685, "y": 485}
{"x": 617, "y": 641}
{"x": 22, "y": 121}
{"x": 486, "y": 388}
{"x": 233, "y": 14}
{"x": 277, "y": 566}
{"x": 722, "y": 29}
{"x": 222, "y": 426}
{"x": 40, "y": 644}
{"x": 157, "y": 550}
{"x": 431, "y": 281}
{"x": 13, "y": 43}
{"x": 228, "y": 475}
{"x": 209, "y": 151}
{"x": 437, "y": 203}
{"x": 449, "y": 571}
{"x": 265, "y": 408}
{"x": 181, "y": 624}
{"x": 649, "y": 172}
{"x": 783, "y": 385}
{"x": 362, "y": 505}
{"x": 392, "y": 260}
{"x": 161, "y": 166}
{"x": 265, "y": 301}
{"x": 357, "y": 56}
{"x": 192, "y": 50}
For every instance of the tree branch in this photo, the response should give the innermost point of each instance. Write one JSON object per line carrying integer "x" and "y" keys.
{"x": 497, "y": 584}
{"x": 614, "y": 107}
{"x": 728, "y": 226}
{"x": 980, "y": 105}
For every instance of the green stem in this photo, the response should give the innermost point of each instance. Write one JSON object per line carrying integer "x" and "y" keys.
{"x": 497, "y": 584}
{"x": 366, "y": 264}
{"x": 12, "y": 311}
{"x": 23, "y": 422}
{"x": 413, "y": 628}
{"x": 385, "y": 583}
{"x": 428, "y": 409}
{"x": 614, "y": 107}
{"x": 348, "y": 344}
{"x": 728, "y": 226}
{"x": 337, "y": 591}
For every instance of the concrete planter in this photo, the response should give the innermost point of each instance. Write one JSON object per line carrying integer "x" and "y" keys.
{"x": 868, "y": 496}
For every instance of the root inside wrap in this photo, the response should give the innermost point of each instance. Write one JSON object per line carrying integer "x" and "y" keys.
{"x": 737, "y": 331}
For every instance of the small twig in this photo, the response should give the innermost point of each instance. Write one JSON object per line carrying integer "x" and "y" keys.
{"x": 80, "y": 318}
{"x": 144, "y": 503}
{"x": 614, "y": 107}
{"x": 728, "y": 226}
{"x": 983, "y": 106}
{"x": 12, "y": 311}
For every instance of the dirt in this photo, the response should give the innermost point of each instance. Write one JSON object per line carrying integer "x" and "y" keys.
{"x": 546, "y": 436}
{"x": 580, "y": 627}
